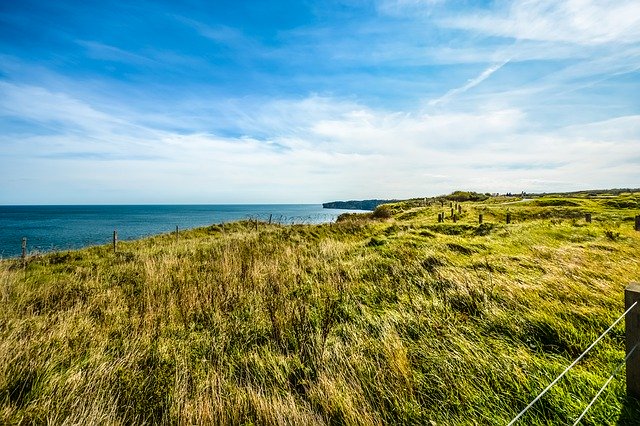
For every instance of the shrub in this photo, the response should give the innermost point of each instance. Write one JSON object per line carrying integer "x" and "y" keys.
{"x": 611, "y": 235}
{"x": 382, "y": 212}
{"x": 623, "y": 203}
{"x": 353, "y": 217}
{"x": 553, "y": 202}
{"x": 460, "y": 196}
{"x": 375, "y": 242}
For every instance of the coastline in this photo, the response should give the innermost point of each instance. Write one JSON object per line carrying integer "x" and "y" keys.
{"x": 60, "y": 228}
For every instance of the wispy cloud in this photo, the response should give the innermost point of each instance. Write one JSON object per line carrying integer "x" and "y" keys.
{"x": 334, "y": 148}
{"x": 586, "y": 22}
{"x": 98, "y": 156}
{"x": 40, "y": 104}
{"x": 218, "y": 33}
{"x": 521, "y": 95}
{"x": 111, "y": 53}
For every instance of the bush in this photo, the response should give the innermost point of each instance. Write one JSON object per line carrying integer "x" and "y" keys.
{"x": 611, "y": 235}
{"x": 460, "y": 196}
{"x": 382, "y": 212}
{"x": 375, "y": 242}
{"x": 554, "y": 202}
{"x": 623, "y": 203}
{"x": 353, "y": 217}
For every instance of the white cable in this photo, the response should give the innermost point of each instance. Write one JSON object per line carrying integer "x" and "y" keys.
{"x": 605, "y": 385}
{"x": 571, "y": 366}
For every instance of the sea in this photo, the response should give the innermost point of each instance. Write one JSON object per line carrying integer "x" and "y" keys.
{"x": 58, "y": 228}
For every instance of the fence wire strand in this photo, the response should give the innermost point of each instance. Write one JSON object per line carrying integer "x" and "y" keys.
{"x": 571, "y": 366}
{"x": 605, "y": 385}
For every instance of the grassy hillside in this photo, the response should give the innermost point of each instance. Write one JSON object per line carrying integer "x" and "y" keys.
{"x": 383, "y": 318}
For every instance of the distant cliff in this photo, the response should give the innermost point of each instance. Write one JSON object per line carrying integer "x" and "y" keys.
{"x": 356, "y": 205}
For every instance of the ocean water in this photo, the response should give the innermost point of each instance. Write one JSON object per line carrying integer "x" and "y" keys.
{"x": 54, "y": 228}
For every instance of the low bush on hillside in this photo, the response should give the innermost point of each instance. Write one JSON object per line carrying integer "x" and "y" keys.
{"x": 461, "y": 196}
{"x": 382, "y": 212}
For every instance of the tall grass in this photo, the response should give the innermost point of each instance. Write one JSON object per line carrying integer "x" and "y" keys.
{"x": 376, "y": 319}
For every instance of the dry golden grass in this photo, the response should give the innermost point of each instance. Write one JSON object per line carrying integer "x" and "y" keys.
{"x": 369, "y": 321}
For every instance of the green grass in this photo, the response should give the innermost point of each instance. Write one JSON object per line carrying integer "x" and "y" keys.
{"x": 387, "y": 318}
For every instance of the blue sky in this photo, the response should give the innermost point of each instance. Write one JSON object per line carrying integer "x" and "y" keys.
{"x": 300, "y": 101}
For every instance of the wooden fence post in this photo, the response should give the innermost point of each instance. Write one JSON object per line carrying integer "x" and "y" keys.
{"x": 587, "y": 217}
{"x": 508, "y": 217}
{"x": 459, "y": 209}
{"x": 115, "y": 241}
{"x": 637, "y": 223}
{"x": 439, "y": 217}
{"x": 270, "y": 216}
{"x": 480, "y": 218}
{"x": 24, "y": 248}
{"x": 452, "y": 212}
{"x": 632, "y": 337}
{"x": 177, "y": 234}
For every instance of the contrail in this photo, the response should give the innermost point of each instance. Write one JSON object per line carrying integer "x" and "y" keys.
{"x": 470, "y": 84}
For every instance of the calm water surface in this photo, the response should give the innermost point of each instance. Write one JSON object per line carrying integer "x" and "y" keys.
{"x": 51, "y": 228}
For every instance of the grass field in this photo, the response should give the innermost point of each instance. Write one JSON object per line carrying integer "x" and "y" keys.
{"x": 383, "y": 318}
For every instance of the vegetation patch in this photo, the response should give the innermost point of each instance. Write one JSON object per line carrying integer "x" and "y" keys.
{"x": 376, "y": 242}
{"x": 462, "y": 196}
{"x": 555, "y": 202}
{"x": 451, "y": 229}
{"x": 624, "y": 203}
{"x": 485, "y": 229}
{"x": 459, "y": 248}
{"x": 431, "y": 263}
{"x": 143, "y": 390}
{"x": 392, "y": 319}
{"x": 410, "y": 214}
{"x": 382, "y": 212}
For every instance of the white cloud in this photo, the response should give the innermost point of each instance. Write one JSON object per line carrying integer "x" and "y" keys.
{"x": 39, "y": 104}
{"x": 318, "y": 148}
{"x": 587, "y": 22}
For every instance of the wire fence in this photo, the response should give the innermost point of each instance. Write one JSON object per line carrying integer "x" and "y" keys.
{"x": 293, "y": 220}
{"x": 566, "y": 370}
{"x": 595, "y": 398}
